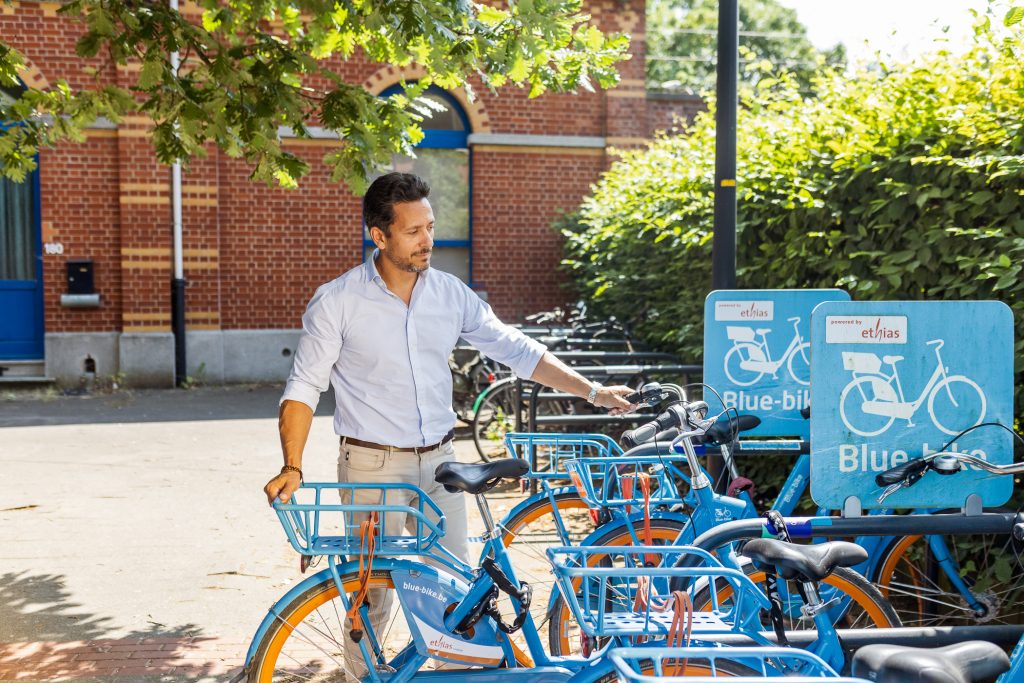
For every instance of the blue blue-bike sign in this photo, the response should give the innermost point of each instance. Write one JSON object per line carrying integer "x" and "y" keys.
{"x": 757, "y": 354}
{"x": 896, "y": 380}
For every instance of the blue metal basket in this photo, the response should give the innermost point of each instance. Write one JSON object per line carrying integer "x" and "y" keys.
{"x": 616, "y": 482}
{"x": 545, "y": 452}
{"x": 600, "y": 584}
{"x": 316, "y": 527}
{"x": 659, "y": 664}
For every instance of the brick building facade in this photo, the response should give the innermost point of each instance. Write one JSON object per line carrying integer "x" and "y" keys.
{"x": 254, "y": 255}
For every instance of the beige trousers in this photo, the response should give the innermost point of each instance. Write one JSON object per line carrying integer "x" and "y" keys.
{"x": 357, "y": 464}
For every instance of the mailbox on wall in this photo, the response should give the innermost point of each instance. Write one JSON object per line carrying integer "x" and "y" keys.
{"x": 80, "y": 277}
{"x": 81, "y": 285}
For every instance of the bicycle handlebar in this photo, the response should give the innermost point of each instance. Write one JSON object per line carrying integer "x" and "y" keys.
{"x": 944, "y": 463}
{"x": 673, "y": 418}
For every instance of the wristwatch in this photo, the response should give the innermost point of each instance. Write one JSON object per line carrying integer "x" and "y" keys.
{"x": 592, "y": 396}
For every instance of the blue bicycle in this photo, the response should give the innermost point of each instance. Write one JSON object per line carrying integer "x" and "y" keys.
{"x": 449, "y": 613}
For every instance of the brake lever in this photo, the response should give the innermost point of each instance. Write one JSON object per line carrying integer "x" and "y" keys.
{"x": 906, "y": 483}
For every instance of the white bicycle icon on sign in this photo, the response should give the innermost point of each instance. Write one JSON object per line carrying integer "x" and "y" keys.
{"x": 873, "y": 400}
{"x": 749, "y": 360}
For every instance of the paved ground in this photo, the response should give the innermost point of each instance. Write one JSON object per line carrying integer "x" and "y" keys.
{"x": 135, "y": 541}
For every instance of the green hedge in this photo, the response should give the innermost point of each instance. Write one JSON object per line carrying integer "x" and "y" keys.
{"x": 902, "y": 182}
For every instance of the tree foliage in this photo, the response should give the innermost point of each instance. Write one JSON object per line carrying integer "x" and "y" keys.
{"x": 904, "y": 182}
{"x": 682, "y": 40}
{"x": 251, "y": 67}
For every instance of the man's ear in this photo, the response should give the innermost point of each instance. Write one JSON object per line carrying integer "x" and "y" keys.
{"x": 378, "y": 237}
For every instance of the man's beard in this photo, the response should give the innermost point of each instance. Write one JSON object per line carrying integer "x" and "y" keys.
{"x": 406, "y": 264}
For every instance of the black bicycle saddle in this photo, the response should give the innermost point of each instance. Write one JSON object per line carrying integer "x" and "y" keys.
{"x": 477, "y": 478}
{"x": 813, "y": 562}
{"x": 961, "y": 663}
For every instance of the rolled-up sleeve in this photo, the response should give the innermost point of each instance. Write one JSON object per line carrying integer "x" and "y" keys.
{"x": 495, "y": 339}
{"x": 318, "y": 350}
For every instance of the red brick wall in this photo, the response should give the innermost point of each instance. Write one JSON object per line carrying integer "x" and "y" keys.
{"x": 664, "y": 111}
{"x": 81, "y": 212}
{"x": 254, "y": 255}
{"x": 517, "y": 196}
{"x": 278, "y": 246}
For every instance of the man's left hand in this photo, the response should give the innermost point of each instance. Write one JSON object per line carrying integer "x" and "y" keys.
{"x": 613, "y": 399}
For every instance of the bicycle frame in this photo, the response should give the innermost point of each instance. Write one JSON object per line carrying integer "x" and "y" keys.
{"x": 1016, "y": 672}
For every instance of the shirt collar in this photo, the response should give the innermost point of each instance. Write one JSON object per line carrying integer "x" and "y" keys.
{"x": 370, "y": 268}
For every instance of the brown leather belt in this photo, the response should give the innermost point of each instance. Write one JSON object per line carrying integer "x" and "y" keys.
{"x": 348, "y": 440}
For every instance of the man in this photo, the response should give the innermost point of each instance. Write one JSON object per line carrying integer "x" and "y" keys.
{"x": 381, "y": 334}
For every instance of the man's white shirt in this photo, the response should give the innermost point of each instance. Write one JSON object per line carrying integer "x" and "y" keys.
{"x": 388, "y": 362}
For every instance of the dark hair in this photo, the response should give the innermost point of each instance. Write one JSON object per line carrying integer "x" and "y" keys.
{"x": 388, "y": 190}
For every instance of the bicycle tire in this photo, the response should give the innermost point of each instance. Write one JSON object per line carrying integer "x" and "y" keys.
{"x": 264, "y": 665}
{"x": 803, "y": 353}
{"x": 871, "y": 606}
{"x": 493, "y": 417}
{"x": 975, "y": 391}
{"x": 268, "y": 652}
{"x": 744, "y": 381}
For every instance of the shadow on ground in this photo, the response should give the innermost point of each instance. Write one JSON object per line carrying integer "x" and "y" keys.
{"x": 37, "y": 608}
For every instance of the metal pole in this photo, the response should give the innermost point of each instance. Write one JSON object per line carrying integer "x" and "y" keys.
{"x": 723, "y": 245}
{"x": 178, "y": 282}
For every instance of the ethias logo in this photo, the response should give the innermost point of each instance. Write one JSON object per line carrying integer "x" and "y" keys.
{"x": 879, "y": 331}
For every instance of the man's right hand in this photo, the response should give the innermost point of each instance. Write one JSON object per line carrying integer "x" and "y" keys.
{"x": 282, "y": 486}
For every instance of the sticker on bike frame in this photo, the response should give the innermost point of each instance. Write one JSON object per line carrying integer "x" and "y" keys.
{"x": 899, "y": 380}
{"x": 424, "y": 600}
{"x": 757, "y": 354}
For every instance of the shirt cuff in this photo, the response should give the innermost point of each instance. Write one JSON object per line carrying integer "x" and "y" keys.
{"x": 297, "y": 390}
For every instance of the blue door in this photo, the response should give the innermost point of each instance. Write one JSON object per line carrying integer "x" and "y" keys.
{"x": 21, "y": 271}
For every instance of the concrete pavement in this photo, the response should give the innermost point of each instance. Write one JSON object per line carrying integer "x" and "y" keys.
{"x": 135, "y": 541}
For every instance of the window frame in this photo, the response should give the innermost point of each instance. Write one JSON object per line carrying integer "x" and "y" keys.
{"x": 442, "y": 139}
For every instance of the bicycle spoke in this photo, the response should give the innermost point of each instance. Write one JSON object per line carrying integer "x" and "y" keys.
{"x": 295, "y": 631}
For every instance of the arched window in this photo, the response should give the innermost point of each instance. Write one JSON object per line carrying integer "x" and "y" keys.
{"x": 443, "y": 160}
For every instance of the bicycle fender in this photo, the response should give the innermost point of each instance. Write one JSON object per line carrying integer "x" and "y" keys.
{"x": 320, "y": 577}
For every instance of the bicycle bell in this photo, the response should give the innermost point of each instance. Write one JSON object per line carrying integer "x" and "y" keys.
{"x": 946, "y": 464}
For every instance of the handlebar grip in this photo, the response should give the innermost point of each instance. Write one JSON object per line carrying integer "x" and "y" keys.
{"x": 644, "y": 433}
{"x": 901, "y": 472}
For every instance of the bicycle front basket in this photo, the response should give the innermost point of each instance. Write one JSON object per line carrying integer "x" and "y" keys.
{"x": 317, "y": 527}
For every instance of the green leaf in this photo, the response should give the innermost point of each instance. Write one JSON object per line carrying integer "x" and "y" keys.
{"x": 519, "y": 70}
{"x": 151, "y": 73}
